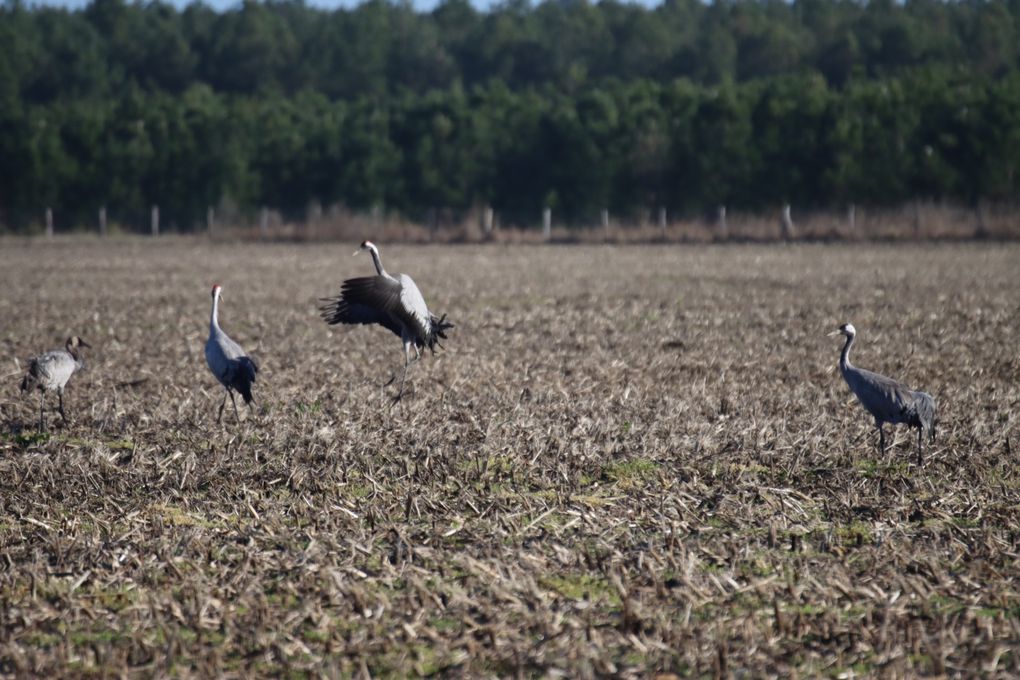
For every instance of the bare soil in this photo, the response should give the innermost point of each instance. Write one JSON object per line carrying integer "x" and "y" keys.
{"x": 628, "y": 460}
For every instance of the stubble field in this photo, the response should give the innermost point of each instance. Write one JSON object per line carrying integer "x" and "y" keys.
{"x": 628, "y": 461}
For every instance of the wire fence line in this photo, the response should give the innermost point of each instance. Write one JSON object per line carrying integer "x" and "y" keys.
{"x": 919, "y": 220}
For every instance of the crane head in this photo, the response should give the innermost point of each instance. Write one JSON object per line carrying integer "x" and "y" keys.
{"x": 846, "y": 329}
{"x": 365, "y": 245}
{"x": 75, "y": 341}
{"x": 217, "y": 289}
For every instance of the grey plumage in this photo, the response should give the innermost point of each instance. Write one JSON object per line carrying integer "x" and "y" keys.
{"x": 923, "y": 415}
{"x": 887, "y": 400}
{"x": 228, "y": 362}
{"x": 51, "y": 371}
{"x": 395, "y": 303}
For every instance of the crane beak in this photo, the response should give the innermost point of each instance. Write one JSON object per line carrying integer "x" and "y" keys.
{"x": 356, "y": 252}
{"x": 833, "y": 333}
{"x": 82, "y": 343}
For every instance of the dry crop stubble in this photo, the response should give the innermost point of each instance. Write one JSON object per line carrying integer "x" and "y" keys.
{"x": 627, "y": 460}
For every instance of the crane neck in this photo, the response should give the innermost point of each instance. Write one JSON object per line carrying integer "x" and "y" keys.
{"x": 378, "y": 262}
{"x": 214, "y": 323}
{"x": 76, "y": 355}
{"x": 844, "y": 358}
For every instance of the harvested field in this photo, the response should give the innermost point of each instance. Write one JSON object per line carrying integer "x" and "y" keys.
{"x": 628, "y": 460}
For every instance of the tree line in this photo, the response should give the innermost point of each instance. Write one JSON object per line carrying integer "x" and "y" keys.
{"x": 565, "y": 104}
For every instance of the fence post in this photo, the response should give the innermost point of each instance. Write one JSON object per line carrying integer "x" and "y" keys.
{"x": 605, "y": 222}
{"x": 210, "y": 219}
{"x": 851, "y": 217}
{"x": 546, "y": 223}
{"x": 102, "y": 221}
{"x": 982, "y": 224}
{"x": 155, "y": 220}
{"x": 662, "y": 221}
{"x": 313, "y": 215}
{"x": 49, "y": 223}
{"x": 487, "y": 219}
{"x": 787, "y": 223}
{"x": 723, "y": 229}
{"x": 433, "y": 220}
{"x": 264, "y": 222}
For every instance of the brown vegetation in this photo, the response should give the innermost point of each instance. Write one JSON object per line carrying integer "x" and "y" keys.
{"x": 918, "y": 221}
{"x": 628, "y": 460}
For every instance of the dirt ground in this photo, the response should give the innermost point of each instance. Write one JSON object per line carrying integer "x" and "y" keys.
{"x": 627, "y": 461}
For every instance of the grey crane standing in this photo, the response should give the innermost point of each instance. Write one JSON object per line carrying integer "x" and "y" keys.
{"x": 394, "y": 303}
{"x": 228, "y": 362}
{"x": 887, "y": 400}
{"x": 50, "y": 372}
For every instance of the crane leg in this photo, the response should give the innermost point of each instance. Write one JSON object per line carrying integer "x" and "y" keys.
{"x": 881, "y": 438}
{"x": 42, "y": 420}
{"x": 60, "y": 405}
{"x": 223, "y": 403}
{"x": 920, "y": 446}
{"x": 403, "y": 377}
{"x": 234, "y": 402}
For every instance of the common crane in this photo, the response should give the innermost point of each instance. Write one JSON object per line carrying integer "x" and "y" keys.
{"x": 887, "y": 400}
{"x": 228, "y": 362}
{"x": 50, "y": 372}
{"x": 392, "y": 302}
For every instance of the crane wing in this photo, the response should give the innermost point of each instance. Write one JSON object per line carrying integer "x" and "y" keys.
{"x": 923, "y": 413}
{"x": 241, "y": 375}
{"x": 382, "y": 300}
{"x": 41, "y": 366}
{"x": 414, "y": 304}
{"x": 52, "y": 368}
{"x": 350, "y": 309}
{"x": 231, "y": 350}
{"x": 884, "y": 397}
{"x": 249, "y": 366}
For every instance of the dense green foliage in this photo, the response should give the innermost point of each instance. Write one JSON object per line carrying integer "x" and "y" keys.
{"x": 574, "y": 105}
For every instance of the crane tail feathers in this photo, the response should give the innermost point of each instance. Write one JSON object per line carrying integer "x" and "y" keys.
{"x": 244, "y": 377}
{"x": 438, "y": 332}
{"x": 923, "y": 413}
{"x": 243, "y": 387}
{"x": 245, "y": 392}
{"x": 31, "y": 377}
{"x": 251, "y": 367}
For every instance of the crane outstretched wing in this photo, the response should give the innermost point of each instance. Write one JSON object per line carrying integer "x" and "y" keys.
{"x": 377, "y": 299}
{"x": 338, "y": 310}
